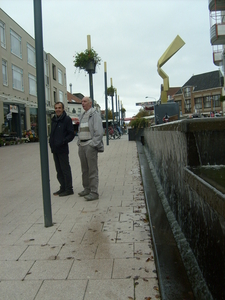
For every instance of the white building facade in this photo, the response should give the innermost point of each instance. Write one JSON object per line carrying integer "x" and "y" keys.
{"x": 18, "y": 88}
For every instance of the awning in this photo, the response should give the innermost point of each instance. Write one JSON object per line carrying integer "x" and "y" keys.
{"x": 9, "y": 99}
{"x": 128, "y": 119}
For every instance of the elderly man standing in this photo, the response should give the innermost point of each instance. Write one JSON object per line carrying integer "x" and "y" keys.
{"x": 90, "y": 142}
{"x": 62, "y": 133}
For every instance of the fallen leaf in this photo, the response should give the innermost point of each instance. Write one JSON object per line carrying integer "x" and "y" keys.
{"x": 145, "y": 279}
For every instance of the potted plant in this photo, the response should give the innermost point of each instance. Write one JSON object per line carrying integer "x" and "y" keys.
{"x": 110, "y": 91}
{"x": 87, "y": 60}
{"x": 136, "y": 131}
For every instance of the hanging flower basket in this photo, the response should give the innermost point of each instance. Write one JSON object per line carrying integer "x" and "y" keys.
{"x": 87, "y": 60}
{"x": 110, "y": 91}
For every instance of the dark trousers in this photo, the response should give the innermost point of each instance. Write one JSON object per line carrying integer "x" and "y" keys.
{"x": 63, "y": 170}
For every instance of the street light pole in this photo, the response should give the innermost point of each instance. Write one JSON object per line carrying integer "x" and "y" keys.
{"x": 90, "y": 72}
{"x": 116, "y": 106}
{"x": 106, "y": 104}
{"x": 112, "y": 104}
{"x": 42, "y": 114}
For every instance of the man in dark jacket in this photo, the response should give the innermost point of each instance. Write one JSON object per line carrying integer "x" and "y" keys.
{"x": 62, "y": 133}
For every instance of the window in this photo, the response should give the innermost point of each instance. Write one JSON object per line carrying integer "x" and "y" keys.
{"x": 187, "y": 106}
{"x": 187, "y": 92}
{"x": 79, "y": 110}
{"x": 17, "y": 77}
{"x": 32, "y": 85}
{"x": 198, "y": 103}
{"x": 216, "y": 101}
{"x": 4, "y": 72}
{"x": 47, "y": 98}
{"x": 65, "y": 79}
{"x": 53, "y": 71}
{"x": 16, "y": 45}
{"x": 180, "y": 104}
{"x": 207, "y": 102}
{"x": 31, "y": 55}
{"x": 60, "y": 96}
{"x": 2, "y": 34}
{"x": 60, "y": 76}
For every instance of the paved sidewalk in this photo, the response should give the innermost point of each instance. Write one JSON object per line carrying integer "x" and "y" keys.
{"x": 95, "y": 250}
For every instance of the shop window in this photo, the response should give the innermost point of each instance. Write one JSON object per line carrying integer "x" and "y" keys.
{"x": 32, "y": 85}
{"x": 60, "y": 76}
{"x": 4, "y": 72}
{"x": 17, "y": 77}
{"x": 31, "y": 55}
{"x": 2, "y": 34}
{"x": 34, "y": 120}
{"x": 23, "y": 119}
{"x": 16, "y": 44}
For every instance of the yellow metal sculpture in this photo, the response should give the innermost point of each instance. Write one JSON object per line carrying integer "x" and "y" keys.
{"x": 170, "y": 51}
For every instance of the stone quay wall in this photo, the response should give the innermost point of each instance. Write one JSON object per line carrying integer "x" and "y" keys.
{"x": 198, "y": 208}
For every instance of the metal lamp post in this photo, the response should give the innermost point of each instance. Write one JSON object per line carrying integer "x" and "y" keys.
{"x": 112, "y": 102}
{"x": 90, "y": 70}
{"x": 106, "y": 104}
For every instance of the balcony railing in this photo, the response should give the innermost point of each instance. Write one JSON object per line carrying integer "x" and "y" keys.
{"x": 218, "y": 5}
{"x": 217, "y": 34}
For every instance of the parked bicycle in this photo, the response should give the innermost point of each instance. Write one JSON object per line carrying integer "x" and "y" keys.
{"x": 113, "y": 133}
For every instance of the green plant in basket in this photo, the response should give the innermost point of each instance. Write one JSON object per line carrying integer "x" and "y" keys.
{"x": 110, "y": 91}
{"x": 83, "y": 59}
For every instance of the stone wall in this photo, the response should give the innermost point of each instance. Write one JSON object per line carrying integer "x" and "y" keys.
{"x": 198, "y": 207}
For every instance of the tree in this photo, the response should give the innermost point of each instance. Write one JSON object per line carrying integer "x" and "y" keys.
{"x": 123, "y": 110}
{"x": 142, "y": 113}
{"x": 109, "y": 114}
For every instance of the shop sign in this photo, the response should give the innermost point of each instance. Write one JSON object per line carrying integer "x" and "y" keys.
{"x": 9, "y": 116}
{"x": 14, "y": 109}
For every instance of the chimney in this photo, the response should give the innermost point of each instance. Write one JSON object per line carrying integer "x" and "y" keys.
{"x": 70, "y": 88}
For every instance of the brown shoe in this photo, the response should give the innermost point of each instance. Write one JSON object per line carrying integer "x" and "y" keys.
{"x": 66, "y": 193}
{"x": 58, "y": 192}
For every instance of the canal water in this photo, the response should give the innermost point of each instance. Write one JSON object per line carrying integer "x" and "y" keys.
{"x": 214, "y": 175}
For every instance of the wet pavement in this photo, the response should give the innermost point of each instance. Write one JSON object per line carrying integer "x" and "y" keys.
{"x": 95, "y": 250}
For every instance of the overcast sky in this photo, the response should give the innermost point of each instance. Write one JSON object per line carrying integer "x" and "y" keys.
{"x": 129, "y": 35}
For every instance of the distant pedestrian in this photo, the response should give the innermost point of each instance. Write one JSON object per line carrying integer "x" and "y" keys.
{"x": 90, "y": 142}
{"x": 62, "y": 133}
{"x": 166, "y": 118}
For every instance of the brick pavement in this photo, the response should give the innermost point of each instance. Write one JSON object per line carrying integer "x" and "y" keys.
{"x": 95, "y": 250}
